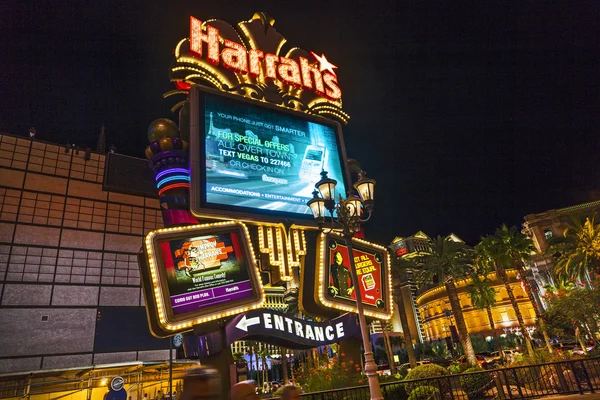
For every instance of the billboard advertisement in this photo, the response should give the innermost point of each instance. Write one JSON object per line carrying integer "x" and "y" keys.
{"x": 205, "y": 270}
{"x": 335, "y": 285}
{"x": 255, "y": 159}
{"x": 200, "y": 273}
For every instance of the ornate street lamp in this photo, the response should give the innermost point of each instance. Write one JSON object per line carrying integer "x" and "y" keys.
{"x": 348, "y": 215}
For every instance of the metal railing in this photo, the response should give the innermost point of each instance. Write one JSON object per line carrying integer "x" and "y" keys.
{"x": 526, "y": 382}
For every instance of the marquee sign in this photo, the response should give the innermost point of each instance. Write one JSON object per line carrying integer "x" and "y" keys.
{"x": 252, "y": 59}
{"x": 235, "y": 57}
{"x": 198, "y": 273}
{"x": 334, "y": 285}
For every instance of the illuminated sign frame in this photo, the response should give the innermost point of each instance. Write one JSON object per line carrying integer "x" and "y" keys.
{"x": 198, "y": 204}
{"x": 163, "y": 321}
{"x": 324, "y": 299}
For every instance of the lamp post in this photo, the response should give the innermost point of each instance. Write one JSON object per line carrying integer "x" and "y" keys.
{"x": 349, "y": 218}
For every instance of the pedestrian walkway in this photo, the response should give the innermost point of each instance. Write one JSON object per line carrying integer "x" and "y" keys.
{"x": 586, "y": 396}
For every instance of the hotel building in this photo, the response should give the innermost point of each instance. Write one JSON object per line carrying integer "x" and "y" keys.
{"x": 428, "y": 308}
{"x": 541, "y": 228}
{"x": 434, "y": 308}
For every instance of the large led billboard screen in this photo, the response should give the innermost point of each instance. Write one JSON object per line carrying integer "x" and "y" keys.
{"x": 254, "y": 159}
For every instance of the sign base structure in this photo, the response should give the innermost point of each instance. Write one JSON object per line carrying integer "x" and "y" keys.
{"x": 199, "y": 273}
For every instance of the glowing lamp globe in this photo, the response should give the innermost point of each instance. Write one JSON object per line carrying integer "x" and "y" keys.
{"x": 317, "y": 207}
{"x": 326, "y": 186}
{"x": 366, "y": 190}
{"x": 353, "y": 205}
{"x": 162, "y": 128}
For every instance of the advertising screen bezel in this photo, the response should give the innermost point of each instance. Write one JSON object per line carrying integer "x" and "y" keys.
{"x": 342, "y": 304}
{"x": 157, "y": 267}
{"x": 199, "y": 206}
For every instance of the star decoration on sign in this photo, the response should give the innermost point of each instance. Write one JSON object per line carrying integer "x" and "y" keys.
{"x": 324, "y": 64}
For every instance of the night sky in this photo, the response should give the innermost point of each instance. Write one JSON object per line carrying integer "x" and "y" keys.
{"x": 468, "y": 115}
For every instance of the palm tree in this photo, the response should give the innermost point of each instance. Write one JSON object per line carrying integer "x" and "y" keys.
{"x": 578, "y": 251}
{"x": 250, "y": 351}
{"x": 388, "y": 347}
{"x": 520, "y": 247}
{"x": 396, "y": 341}
{"x": 238, "y": 357}
{"x": 400, "y": 267}
{"x": 264, "y": 353}
{"x": 448, "y": 261}
{"x": 284, "y": 365}
{"x": 493, "y": 250}
{"x": 291, "y": 300}
{"x": 483, "y": 296}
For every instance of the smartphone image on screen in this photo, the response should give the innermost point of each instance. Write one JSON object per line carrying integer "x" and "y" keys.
{"x": 312, "y": 163}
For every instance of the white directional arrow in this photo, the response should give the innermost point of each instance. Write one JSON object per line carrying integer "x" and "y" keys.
{"x": 246, "y": 322}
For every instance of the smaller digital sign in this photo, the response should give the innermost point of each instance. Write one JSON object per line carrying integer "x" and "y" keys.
{"x": 200, "y": 273}
{"x": 334, "y": 282}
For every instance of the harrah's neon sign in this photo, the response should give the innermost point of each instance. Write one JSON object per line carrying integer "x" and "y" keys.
{"x": 237, "y": 58}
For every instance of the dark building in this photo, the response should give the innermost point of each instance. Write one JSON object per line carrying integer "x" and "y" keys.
{"x": 71, "y": 223}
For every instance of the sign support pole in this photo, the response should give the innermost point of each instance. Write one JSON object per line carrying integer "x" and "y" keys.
{"x": 170, "y": 368}
{"x": 370, "y": 366}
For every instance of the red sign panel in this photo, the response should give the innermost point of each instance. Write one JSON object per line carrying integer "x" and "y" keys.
{"x": 335, "y": 284}
{"x": 401, "y": 251}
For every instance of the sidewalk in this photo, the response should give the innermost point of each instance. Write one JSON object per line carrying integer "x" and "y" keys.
{"x": 586, "y": 396}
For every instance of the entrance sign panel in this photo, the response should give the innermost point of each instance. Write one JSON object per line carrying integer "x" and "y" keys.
{"x": 334, "y": 282}
{"x": 258, "y": 160}
{"x": 200, "y": 273}
{"x": 277, "y": 328}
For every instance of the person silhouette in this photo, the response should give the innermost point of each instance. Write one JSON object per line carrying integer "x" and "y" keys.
{"x": 245, "y": 390}
{"x": 201, "y": 383}
{"x": 340, "y": 278}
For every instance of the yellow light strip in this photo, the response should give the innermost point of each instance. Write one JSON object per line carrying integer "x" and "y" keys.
{"x": 247, "y": 35}
{"x": 200, "y": 74}
{"x": 156, "y": 285}
{"x": 209, "y": 78}
{"x": 178, "y": 47}
{"x": 220, "y": 38}
{"x": 283, "y": 41}
{"x": 274, "y": 242}
{"x": 206, "y": 66}
{"x": 173, "y": 92}
{"x": 299, "y": 247}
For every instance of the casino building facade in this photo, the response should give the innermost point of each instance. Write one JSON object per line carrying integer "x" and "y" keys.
{"x": 541, "y": 227}
{"x": 428, "y": 308}
{"x": 434, "y": 307}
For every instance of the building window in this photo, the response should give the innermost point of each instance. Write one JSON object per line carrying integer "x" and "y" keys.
{"x": 548, "y": 234}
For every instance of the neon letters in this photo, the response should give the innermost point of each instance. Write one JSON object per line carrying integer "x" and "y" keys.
{"x": 301, "y": 73}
